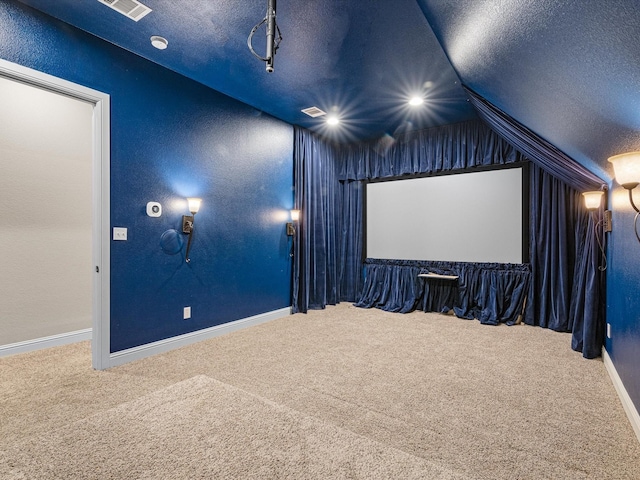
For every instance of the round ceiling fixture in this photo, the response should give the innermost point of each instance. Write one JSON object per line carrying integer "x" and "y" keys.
{"x": 159, "y": 42}
{"x": 333, "y": 120}
{"x": 415, "y": 101}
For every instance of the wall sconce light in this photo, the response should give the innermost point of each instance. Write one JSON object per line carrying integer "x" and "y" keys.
{"x": 187, "y": 223}
{"x": 626, "y": 167}
{"x": 592, "y": 199}
{"x": 627, "y": 171}
{"x": 291, "y": 228}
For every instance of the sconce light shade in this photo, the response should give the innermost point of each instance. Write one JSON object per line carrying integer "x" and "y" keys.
{"x": 626, "y": 167}
{"x": 194, "y": 204}
{"x": 291, "y": 228}
{"x": 592, "y": 199}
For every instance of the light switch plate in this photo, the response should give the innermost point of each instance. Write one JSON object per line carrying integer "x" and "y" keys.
{"x": 119, "y": 233}
{"x": 186, "y": 313}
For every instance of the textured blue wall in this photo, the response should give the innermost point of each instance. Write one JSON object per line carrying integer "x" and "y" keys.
{"x": 623, "y": 294}
{"x": 172, "y": 138}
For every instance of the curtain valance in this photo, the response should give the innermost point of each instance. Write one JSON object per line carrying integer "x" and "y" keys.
{"x": 491, "y": 292}
{"x": 536, "y": 148}
{"x": 438, "y": 149}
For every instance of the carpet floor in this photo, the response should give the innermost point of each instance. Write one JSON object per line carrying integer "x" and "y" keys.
{"x": 337, "y": 393}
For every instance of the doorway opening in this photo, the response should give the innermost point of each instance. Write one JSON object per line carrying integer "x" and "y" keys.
{"x": 55, "y": 213}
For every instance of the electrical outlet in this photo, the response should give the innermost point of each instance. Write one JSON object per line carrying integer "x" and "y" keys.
{"x": 186, "y": 313}
{"x": 608, "y": 330}
{"x": 119, "y": 233}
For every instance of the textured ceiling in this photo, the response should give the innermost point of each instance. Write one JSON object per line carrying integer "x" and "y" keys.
{"x": 568, "y": 70}
{"x": 360, "y": 59}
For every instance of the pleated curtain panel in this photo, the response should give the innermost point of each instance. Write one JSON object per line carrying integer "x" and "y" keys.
{"x": 561, "y": 287}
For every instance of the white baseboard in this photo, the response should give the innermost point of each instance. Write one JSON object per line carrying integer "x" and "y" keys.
{"x": 45, "y": 342}
{"x": 627, "y": 403}
{"x": 143, "y": 351}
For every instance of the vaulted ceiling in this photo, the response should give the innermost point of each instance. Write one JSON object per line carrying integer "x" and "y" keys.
{"x": 569, "y": 70}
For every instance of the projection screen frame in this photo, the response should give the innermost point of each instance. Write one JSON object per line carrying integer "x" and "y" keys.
{"x": 524, "y": 189}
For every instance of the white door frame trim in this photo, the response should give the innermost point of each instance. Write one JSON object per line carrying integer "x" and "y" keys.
{"x": 101, "y": 305}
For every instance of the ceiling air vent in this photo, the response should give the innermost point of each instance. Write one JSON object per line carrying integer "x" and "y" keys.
{"x": 129, "y": 8}
{"x": 314, "y": 112}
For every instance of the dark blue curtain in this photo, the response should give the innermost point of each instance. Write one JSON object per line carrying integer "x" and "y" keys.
{"x": 390, "y": 285}
{"x": 491, "y": 292}
{"x": 315, "y": 252}
{"x": 534, "y": 147}
{"x": 551, "y": 251}
{"x": 587, "y": 311}
{"x": 439, "y": 149}
{"x": 566, "y": 291}
{"x": 351, "y": 239}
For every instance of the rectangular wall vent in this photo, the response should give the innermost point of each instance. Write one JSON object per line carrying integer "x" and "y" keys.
{"x": 129, "y": 8}
{"x": 313, "y": 112}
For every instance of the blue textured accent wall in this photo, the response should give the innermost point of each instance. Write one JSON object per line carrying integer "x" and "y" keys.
{"x": 172, "y": 138}
{"x": 623, "y": 294}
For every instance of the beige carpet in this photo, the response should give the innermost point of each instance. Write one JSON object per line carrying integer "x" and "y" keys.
{"x": 202, "y": 428}
{"x": 339, "y": 393}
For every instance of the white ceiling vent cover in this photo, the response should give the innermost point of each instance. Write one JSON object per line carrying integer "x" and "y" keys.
{"x": 313, "y": 112}
{"x": 129, "y": 8}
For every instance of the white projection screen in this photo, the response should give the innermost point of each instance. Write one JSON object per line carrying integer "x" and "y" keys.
{"x": 466, "y": 217}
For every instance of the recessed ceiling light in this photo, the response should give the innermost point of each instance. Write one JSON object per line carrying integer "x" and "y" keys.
{"x": 159, "y": 42}
{"x": 415, "y": 101}
{"x": 333, "y": 120}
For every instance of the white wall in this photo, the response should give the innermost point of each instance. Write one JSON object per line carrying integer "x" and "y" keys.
{"x": 45, "y": 213}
